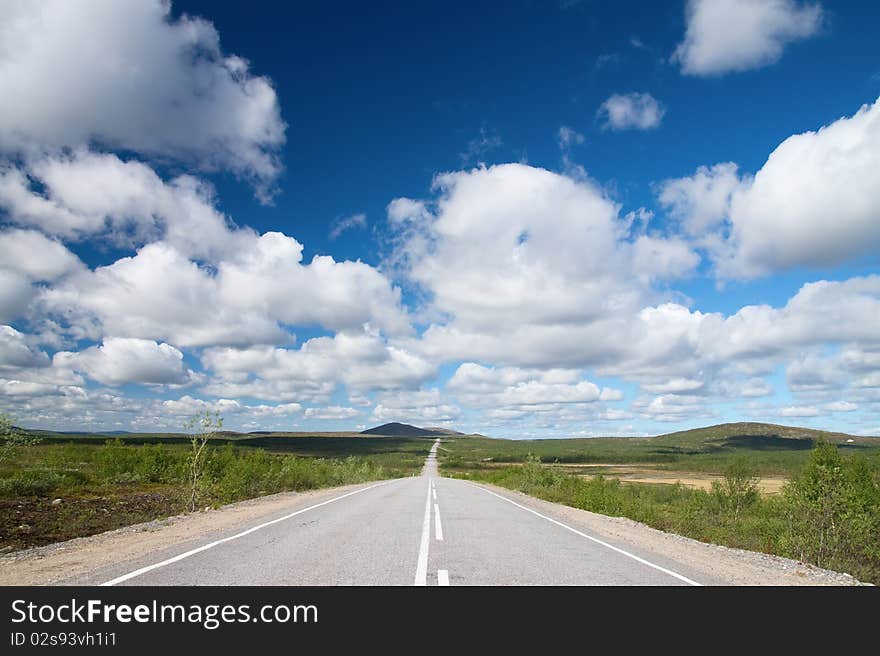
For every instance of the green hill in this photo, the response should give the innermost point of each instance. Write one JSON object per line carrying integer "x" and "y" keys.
{"x": 757, "y": 436}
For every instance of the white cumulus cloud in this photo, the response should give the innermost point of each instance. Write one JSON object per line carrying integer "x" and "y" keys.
{"x": 348, "y": 223}
{"x": 415, "y": 407}
{"x": 331, "y": 412}
{"x": 814, "y": 202}
{"x": 142, "y": 81}
{"x": 799, "y": 411}
{"x": 16, "y": 352}
{"x": 119, "y": 360}
{"x": 737, "y": 35}
{"x": 362, "y": 362}
{"x": 481, "y": 386}
{"x": 631, "y": 111}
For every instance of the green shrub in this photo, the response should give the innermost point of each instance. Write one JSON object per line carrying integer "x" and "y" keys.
{"x": 38, "y": 482}
{"x": 119, "y": 462}
{"x": 232, "y": 475}
{"x": 739, "y": 488}
{"x": 834, "y": 513}
{"x": 156, "y": 463}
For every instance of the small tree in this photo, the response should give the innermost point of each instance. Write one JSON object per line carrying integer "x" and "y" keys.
{"x": 834, "y": 512}
{"x": 200, "y": 427}
{"x": 816, "y": 500}
{"x": 12, "y": 439}
{"x": 739, "y": 489}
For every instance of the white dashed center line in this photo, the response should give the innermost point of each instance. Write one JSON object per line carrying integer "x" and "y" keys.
{"x": 438, "y": 527}
{"x": 422, "y": 567}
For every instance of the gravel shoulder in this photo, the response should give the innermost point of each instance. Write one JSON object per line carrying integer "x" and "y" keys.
{"x": 59, "y": 563}
{"x": 724, "y": 564}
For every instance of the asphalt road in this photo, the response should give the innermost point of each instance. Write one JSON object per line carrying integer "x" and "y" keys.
{"x": 422, "y": 530}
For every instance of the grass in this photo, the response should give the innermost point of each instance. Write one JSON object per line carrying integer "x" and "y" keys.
{"x": 828, "y": 513}
{"x": 114, "y": 483}
{"x": 772, "y": 450}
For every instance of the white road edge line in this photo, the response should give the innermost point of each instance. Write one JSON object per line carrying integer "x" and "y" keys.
{"x": 438, "y": 527}
{"x": 422, "y": 567}
{"x": 192, "y": 552}
{"x": 590, "y": 537}
{"x": 443, "y": 577}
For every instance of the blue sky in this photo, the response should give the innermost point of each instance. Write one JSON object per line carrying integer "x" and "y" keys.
{"x": 544, "y": 218}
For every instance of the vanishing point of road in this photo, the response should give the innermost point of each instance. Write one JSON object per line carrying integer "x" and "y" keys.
{"x": 424, "y": 530}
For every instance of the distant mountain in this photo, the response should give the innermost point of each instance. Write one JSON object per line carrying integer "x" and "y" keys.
{"x": 395, "y": 429}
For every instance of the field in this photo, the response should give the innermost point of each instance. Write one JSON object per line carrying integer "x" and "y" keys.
{"x": 70, "y": 485}
{"x": 804, "y": 494}
{"x": 772, "y": 450}
{"x": 648, "y": 473}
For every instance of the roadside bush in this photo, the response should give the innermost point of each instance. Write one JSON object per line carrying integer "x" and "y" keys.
{"x": 535, "y": 475}
{"x": 232, "y": 475}
{"x": 116, "y": 461}
{"x": 38, "y": 482}
{"x": 834, "y": 513}
{"x": 156, "y": 463}
{"x": 69, "y": 454}
{"x": 357, "y": 470}
{"x": 738, "y": 490}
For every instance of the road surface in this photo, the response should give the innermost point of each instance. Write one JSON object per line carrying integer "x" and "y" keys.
{"x": 423, "y": 530}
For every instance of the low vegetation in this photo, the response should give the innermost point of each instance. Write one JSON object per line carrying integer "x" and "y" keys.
{"x": 828, "y": 513}
{"x": 770, "y": 449}
{"x": 56, "y": 490}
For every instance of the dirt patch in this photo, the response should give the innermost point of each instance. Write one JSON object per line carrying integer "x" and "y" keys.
{"x": 643, "y": 473}
{"x": 700, "y": 481}
{"x": 36, "y": 521}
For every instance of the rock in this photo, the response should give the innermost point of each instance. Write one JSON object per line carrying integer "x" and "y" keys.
{"x": 6, "y": 549}
{"x": 56, "y": 502}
